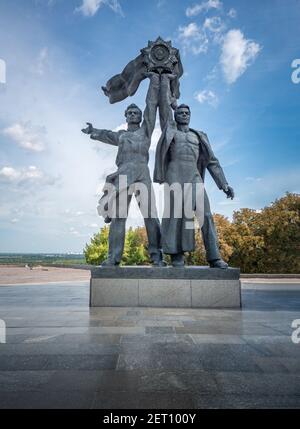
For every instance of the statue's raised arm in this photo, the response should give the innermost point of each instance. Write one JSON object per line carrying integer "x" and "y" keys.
{"x": 166, "y": 101}
{"x": 149, "y": 116}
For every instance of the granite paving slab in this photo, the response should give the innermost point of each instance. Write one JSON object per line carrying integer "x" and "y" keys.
{"x": 59, "y": 353}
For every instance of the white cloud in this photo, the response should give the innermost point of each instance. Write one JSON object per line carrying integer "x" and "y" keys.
{"x": 193, "y": 38}
{"x": 214, "y": 24}
{"x": 9, "y": 174}
{"x": 232, "y": 13}
{"x": 203, "y": 7}
{"x": 207, "y": 96}
{"x": 91, "y": 7}
{"x": 25, "y": 176}
{"x": 196, "y": 39}
{"x": 238, "y": 53}
{"x": 121, "y": 127}
{"x": 27, "y": 136}
{"x": 33, "y": 173}
{"x": 115, "y": 6}
{"x": 190, "y": 31}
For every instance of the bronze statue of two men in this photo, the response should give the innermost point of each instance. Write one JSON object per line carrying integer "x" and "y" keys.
{"x": 182, "y": 157}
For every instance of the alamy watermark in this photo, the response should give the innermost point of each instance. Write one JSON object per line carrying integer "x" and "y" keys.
{"x": 2, "y": 332}
{"x": 2, "y": 71}
{"x": 296, "y": 332}
{"x": 296, "y": 73}
{"x": 181, "y": 201}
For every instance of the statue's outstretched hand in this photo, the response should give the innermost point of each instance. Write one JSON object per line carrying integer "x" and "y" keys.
{"x": 229, "y": 192}
{"x": 89, "y": 129}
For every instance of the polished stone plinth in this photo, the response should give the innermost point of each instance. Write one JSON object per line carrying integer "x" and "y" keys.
{"x": 188, "y": 287}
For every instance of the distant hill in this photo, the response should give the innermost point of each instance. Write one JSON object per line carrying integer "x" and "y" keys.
{"x": 41, "y": 258}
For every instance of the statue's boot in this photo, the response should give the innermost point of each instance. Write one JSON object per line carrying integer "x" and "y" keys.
{"x": 177, "y": 260}
{"x": 157, "y": 259}
{"x": 109, "y": 262}
{"x": 218, "y": 263}
{"x": 161, "y": 263}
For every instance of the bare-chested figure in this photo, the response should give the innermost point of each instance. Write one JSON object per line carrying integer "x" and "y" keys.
{"x": 182, "y": 156}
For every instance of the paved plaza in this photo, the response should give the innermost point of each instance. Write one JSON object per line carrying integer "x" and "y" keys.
{"x": 59, "y": 353}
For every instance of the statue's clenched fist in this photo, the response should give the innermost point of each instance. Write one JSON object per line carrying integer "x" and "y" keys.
{"x": 229, "y": 192}
{"x": 155, "y": 77}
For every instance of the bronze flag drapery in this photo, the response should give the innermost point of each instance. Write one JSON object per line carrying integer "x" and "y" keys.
{"x": 127, "y": 82}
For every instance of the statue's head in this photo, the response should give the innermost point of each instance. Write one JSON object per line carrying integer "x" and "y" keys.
{"x": 133, "y": 114}
{"x": 182, "y": 114}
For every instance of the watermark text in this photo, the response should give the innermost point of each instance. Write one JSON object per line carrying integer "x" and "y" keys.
{"x": 296, "y": 73}
{"x": 2, "y": 71}
{"x": 2, "y": 332}
{"x": 296, "y": 332}
{"x": 181, "y": 200}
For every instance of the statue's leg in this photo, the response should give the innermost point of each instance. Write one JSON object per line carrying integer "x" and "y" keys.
{"x": 209, "y": 233}
{"x": 177, "y": 259}
{"x": 147, "y": 205}
{"x": 116, "y": 238}
{"x": 154, "y": 239}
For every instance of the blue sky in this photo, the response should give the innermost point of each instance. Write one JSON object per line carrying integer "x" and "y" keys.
{"x": 237, "y": 58}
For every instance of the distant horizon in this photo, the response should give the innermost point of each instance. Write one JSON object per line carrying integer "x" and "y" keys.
{"x": 41, "y": 253}
{"x": 68, "y": 252}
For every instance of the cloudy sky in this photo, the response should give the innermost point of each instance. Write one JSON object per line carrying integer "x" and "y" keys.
{"x": 237, "y": 57}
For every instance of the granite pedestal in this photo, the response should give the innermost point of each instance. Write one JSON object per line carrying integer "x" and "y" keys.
{"x": 194, "y": 287}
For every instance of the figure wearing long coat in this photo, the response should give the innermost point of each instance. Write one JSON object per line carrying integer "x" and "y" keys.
{"x": 184, "y": 158}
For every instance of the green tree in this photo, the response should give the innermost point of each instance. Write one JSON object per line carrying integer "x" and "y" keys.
{"x": 280, "y": 227}
{"x": 267, "y": 241}
{"x": 96, "y": 251}
{"x": 257, "y": 241}
{"x": 226, "y": 236}
{"x": 135, "y": 248}
{"x": 247, "y": 241}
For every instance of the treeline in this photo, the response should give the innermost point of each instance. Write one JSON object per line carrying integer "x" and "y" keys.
{"x": 264, "y": 241}
{"x": 33, "y": 259}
